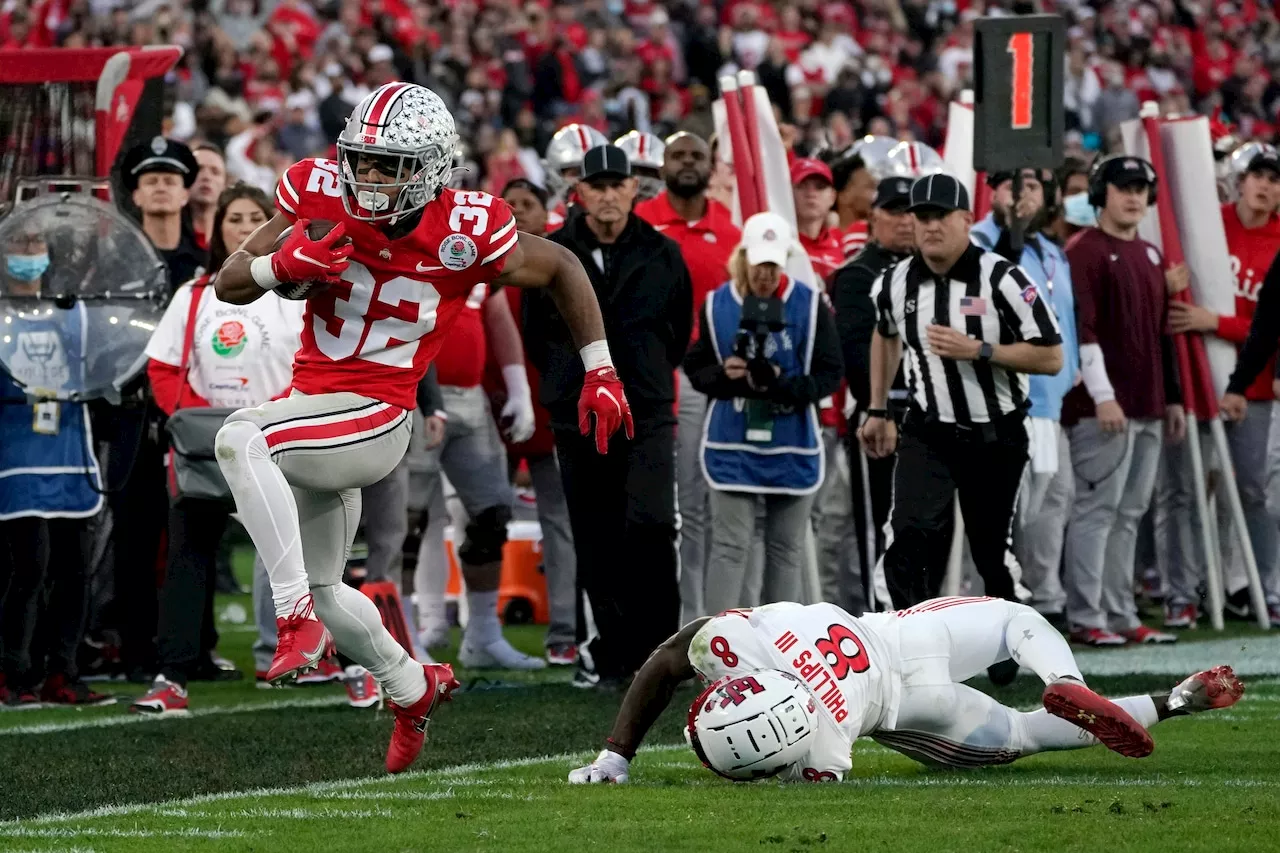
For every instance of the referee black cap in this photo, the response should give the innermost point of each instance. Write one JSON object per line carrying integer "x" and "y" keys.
{"x": 893, "y": 194}
{"x": 938, "y": 192}
{"x": 605, "y": 161}
{"x": 159, "y": 155}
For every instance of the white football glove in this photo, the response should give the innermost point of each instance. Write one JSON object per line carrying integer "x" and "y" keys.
{"x": 609, "y": 766}
{"x": 517, "y": 412}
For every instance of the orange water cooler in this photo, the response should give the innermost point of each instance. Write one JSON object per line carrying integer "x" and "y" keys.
{"x": 522, "y": 592}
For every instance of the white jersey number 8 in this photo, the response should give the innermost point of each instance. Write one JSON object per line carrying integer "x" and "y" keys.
{"x": 351, "y": 339}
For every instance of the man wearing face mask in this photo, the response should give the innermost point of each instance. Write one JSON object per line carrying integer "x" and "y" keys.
{"x": 705, "y": 232}
{"x": 621, "y": 496}
{"x": 1044, "y": 500}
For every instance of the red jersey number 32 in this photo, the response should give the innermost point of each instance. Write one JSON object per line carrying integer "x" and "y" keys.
{"x": 358, "y": 336}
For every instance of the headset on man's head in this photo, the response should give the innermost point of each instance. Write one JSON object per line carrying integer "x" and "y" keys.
{"x": 1102, "y": 172}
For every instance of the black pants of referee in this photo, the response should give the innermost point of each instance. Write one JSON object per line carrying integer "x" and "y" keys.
{"x": 935, "y": 462}
{"x": 622, "y": 508}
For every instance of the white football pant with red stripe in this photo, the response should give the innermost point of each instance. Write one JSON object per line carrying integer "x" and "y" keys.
{"x": 945, "y": 641}
{"x": 296, "y": 467}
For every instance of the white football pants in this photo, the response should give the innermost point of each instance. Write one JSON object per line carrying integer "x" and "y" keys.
{"x": 940, "y": 721}
{"x": 296, "y": 467}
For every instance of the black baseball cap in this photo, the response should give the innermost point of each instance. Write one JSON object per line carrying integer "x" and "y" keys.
{"x": 159, "y": 155}
{"x": 938, "y": 192}
{"x": 893, "y": 193}
{"x": 605, "y": 161}
{"x": 1268, "y": 159}
{"x": 1125, "y": 171}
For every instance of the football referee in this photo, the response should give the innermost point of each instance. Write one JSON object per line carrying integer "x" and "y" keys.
{"x": 974, "y": 326}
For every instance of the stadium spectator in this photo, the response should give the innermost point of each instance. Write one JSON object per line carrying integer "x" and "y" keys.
{"x": 211, "y": 180}
{"x": 191, "y": 354}
{"x": 1127, "y": 406}
{"x": 705, "y": 232}
{"x": 815, "y": 196}
{"x": 622, "y": 503}
{"x": 1044, "y": 501}
{"x": 766, "y": 353}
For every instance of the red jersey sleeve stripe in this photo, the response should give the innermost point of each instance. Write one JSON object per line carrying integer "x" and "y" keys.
{"x": 502, "y": 250}
{"x": 288, "y": 188}
{"x": 502, "y": 232}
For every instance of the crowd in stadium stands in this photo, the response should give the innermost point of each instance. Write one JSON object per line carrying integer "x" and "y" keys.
{"x": 265, "y": 83}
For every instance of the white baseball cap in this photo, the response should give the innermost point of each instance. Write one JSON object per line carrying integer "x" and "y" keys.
{"x": 767, "y": 239}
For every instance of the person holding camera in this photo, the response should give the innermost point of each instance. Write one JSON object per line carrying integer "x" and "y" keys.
{"x": 974, "y": 326}
{"x": 766, "y": 354}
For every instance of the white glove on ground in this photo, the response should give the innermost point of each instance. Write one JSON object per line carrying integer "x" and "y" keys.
{"x": 609, "y": 766}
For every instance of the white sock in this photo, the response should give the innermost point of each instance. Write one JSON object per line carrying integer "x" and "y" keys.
{"x": 431, "y": 577}
{"x": 1038, "y": 646}
{"x": 266, "y": 508}
{"x": 482, "y": 620}
{"x": 359, "y": 634}
{"x": 1043, "y": 732}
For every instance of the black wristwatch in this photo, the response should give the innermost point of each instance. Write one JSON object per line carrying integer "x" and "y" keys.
{"x": 985, "y": 352}
{"x": 877, "y": 413}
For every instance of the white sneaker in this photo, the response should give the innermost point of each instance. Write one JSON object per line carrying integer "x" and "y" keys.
{"x": 433, "y": 637}
{"x": 496, "y": 654}
{"x": 362, "y": 689}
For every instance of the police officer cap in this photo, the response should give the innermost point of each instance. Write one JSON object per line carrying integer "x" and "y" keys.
{"x": 893, "y": 194}
{"x": 159, "y": 155}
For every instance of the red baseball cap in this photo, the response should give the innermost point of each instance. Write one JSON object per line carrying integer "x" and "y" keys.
{"x": 807, "y": 167}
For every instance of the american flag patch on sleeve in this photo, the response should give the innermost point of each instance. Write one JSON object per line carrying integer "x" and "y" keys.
{"x": 973, "y": 306}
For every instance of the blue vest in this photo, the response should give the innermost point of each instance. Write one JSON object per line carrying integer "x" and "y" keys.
{"x": 791, "y": 462}
{"x": 53, "y": 472}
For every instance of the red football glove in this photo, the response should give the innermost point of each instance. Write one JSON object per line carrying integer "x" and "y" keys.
{"x": 602, "y": 396}
{"x": 302, "y": 258}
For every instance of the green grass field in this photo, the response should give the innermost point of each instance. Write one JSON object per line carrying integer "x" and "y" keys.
{"x": 297, "y": 770}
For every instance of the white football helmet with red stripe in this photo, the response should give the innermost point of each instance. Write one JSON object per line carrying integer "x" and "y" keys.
{"x": 564, "y": 155}
{"x": 408, "y": 130}
{"x": 646, "y": 152}
{"x": 911, "y": 160}
{"x": 754, "y": 725}
{"x": 873, "y": 150}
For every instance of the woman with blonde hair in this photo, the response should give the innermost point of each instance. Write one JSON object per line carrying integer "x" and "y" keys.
{"x": 767, "y": 353}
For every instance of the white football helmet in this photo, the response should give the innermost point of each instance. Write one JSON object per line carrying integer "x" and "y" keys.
{"x": 645, "y": 152}
{"x": 564, "y": 154}
{"x": 1243, "y": 156}
{"x": 873, "y": 150}
{"x": 754, "y": 725}
{"x": 911, "y": 160}
{"x": 411, "y": 133}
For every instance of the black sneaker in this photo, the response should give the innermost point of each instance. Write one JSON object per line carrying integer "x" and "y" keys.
{"x": 21, "y": 699}
{"x": 59, "y": 690}
{"x": 584, "y": 678}
{"x": 1237, "y": 606}
{"x": 214, "y": 667}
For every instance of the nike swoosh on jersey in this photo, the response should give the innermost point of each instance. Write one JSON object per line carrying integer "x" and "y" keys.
{"x": 297, "y": 253}
{"x": 426, "y": 267}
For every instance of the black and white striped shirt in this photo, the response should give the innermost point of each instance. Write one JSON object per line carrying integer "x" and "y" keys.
{"x": 986, "y": 297}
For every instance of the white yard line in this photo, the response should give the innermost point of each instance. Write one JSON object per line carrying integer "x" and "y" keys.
{"x": 124, "y": 718}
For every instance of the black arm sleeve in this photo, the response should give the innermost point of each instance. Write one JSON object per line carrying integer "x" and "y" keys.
{"x": 705, "y": 371}
{"x": 1172, "y": 387}
{"x": 681, "y": 309}
{"x": 430, "y": 399}
{"x": 1004, "y": 247}
{"x": 1263, "y": 333}
{"x": 855, "y": 324}
{"x": 823, "y": 378}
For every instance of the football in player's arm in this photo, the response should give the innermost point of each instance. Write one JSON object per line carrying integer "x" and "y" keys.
{"x": 254, "y": 270}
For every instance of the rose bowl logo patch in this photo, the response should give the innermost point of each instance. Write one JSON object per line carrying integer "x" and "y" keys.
{"x": 457, "y": 252}
{"x": 229, "y": 339}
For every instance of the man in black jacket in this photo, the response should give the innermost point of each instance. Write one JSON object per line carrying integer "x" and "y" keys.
{"x": 892, "y": 239}
{"x": 621, "y": 505}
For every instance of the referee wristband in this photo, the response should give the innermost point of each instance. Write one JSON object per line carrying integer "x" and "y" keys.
{"x": 263, "y": 276}
{"x": 877, "y": 413}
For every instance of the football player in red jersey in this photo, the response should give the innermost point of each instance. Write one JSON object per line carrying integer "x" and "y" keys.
{"x": 296, "y": 465}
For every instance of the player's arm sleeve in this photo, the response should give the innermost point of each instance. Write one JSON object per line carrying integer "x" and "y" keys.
{"x": 1032, "y": 321}
{"x": 1264, "y": 330}
{"x": 288, "y": 197}
{"x": 495, "y": 245}
{"x": 430, "y": 398}
{"x": 882, "y": 297}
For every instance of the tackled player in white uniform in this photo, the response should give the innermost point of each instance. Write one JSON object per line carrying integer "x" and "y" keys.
{"x": 791, "y": 687}
{"x": 378, "y": 306}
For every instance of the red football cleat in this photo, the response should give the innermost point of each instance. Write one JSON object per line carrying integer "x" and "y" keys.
{"x": 1207, "y": 691}
{"x": 327, "y": 670}
{"x": 1100, "y": 717}
{"x": 410, "y": 732}
{"x": 302, "y": 641}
